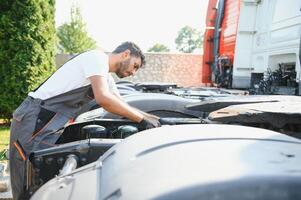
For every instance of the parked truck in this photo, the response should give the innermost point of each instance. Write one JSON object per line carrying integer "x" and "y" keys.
{"x": 253, "y": 44}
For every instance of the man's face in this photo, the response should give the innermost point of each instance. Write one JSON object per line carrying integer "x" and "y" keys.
{"x": 128, "y": 66}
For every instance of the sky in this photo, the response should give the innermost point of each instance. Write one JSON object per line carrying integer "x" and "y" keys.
{"x": 145, "y": 22}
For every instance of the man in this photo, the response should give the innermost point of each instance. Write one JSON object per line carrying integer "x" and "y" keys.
{"x": 61, "y": 98}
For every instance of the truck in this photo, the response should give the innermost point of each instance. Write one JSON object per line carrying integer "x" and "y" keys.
{"x": 253, "y": 44}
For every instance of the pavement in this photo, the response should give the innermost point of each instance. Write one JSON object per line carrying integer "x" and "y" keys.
{"x": 5, "y": 188}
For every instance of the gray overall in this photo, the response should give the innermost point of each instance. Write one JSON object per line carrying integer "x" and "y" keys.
{"x": 34, "y": 127}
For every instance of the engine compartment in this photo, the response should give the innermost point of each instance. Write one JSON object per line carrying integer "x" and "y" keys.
{"x": 86, "y": 141}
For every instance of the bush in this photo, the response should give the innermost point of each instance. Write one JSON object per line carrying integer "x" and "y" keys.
{"x": 27, "y": 49}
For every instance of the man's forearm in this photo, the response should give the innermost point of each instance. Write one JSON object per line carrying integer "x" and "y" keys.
{"x": 146, "y": 114}
{"x": 113, "y": 104}
{"x": 110, "y": 102}
{"x": 142, "y": 112}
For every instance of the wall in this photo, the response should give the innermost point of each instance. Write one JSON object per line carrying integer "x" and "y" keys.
{"x": 182, "y": 69}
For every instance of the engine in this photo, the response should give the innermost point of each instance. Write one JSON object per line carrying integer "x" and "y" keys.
{"x": 85, "y": 142}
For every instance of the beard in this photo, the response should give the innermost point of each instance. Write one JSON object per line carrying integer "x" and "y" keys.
{"x": 122, "y": 67}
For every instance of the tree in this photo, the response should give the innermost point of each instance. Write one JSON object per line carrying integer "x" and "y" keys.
{"x": 188, "y": 40}
{"x": 158, "y": 48}
{"x": 27, "y": 49}
{"x": 73, "y": 37}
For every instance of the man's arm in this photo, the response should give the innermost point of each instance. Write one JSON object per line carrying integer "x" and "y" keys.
{"x": 118, "y": 96}
{"x": 142, "y": 112}
{"x": 110, "y": 102}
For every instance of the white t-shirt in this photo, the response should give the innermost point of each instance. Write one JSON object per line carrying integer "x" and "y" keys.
{"x": 75, "y": 74}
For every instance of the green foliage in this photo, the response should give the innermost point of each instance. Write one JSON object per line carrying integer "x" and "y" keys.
{"x": 27, "y": 49}
{"x": 4, "y": 141}
{"x": 158, "y": 48}
{"x": 73, "y": 37}
{"x": 3, "y": 155}
{"x": 188, "y": 40}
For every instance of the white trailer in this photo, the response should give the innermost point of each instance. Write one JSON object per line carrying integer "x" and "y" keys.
{"x": 268, "y": 36}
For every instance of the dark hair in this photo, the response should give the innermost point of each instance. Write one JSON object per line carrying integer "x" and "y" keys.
{"x": 134, "y": 49}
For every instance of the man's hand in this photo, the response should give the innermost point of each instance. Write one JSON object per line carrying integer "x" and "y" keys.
{"x": 149, "y": 122}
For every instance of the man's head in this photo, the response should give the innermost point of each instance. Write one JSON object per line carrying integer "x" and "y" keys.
{"x": 131, "y": 59}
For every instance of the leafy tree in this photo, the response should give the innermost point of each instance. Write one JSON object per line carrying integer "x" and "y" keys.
{"x": 188, "y": 40}
{"x": 158, "y": 48}
{"x": 73, "y": 37}
{"x": 27, "y": 49}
